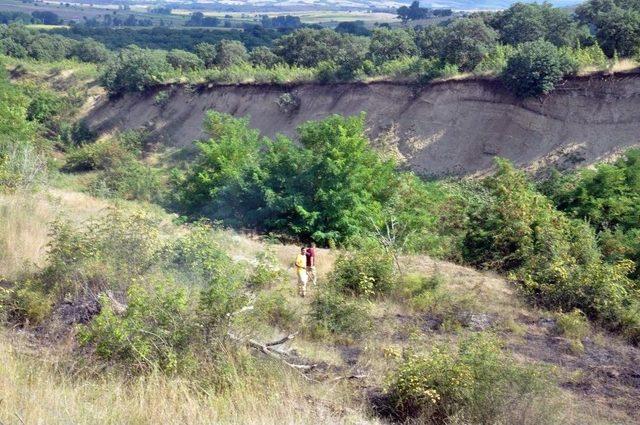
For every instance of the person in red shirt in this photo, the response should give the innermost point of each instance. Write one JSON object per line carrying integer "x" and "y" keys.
{"x": 311, "y": 263}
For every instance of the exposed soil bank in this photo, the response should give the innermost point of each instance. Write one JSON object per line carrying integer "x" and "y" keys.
{"x": 447, "y": 128}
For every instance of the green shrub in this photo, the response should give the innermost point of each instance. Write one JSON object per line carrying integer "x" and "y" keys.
{"x": 44, "y": 105}
{"x": 184, "y": 61}
{"x": 157, "y": 329}
{"x": 273, "y": 308}
{"x": 555, "y": 258}
{"x": 263, "y": 56}
{"x": 109, "y": 252}
{"x": 366, "y": 271}
{"x": 496, "y": 59}
{"x": 431, "y": 69}
{"x": 590, "y": 56}
{"x": 26, "y": 302}
{"x": 334, "y": 313}
{"x": 535, "y": 68}
{"x": 245, "y": 180}
{"x": 574, "y": 326}
{"x": 415, "y": 285}
{"x": 230, "y": 53}
{"x": 22, "y": 160}
{"x": 267, "y": 272}
{"x": 162, "y": 98}
{"x": 130, "y": 180}
{"x": 96, "y": 156}
{"x": 135, "y": 69}
{"x": 476, "y": 383}
{"x": 288, "y": 103}
{"x": 200, "y": 256}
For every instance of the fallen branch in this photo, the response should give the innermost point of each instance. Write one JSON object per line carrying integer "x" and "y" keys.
{"x": 337, "y": 378}
{"x": 282, "y": 340}
{"x": 264, "y": 348}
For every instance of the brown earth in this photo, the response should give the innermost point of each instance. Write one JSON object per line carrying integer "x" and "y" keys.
{"x": 447, "y": 128}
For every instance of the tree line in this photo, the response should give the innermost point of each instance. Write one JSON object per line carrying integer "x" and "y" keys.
{"x": 531, "y": 46}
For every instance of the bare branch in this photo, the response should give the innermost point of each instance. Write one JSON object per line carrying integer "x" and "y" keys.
{"x": 282, "y": 340}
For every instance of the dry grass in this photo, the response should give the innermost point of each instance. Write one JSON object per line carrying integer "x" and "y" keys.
{"x": 24, "y": 224}
{"x": 35, "y": 387}
{"x": 34, "y": 392}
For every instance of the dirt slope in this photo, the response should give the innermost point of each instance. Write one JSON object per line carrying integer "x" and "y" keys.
{"x": 453, "y": 127}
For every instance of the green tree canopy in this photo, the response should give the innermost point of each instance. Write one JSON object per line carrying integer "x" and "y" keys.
{"x": 534, "y": 69}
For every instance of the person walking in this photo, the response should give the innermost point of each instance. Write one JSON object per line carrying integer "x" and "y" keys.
{"x": 301, "y": 271}
{"x": 311, "y": 264}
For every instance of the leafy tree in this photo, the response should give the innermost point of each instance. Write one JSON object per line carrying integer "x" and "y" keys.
{"x": 619, "y": 31}
{"x": 348, "y": 62}
{"x": 21, "y": 164}
{"x": 349, "y": 181}
{"x": 387, "y": 45}
{"x": 263, "y": 56}
{"x": 608, "y": 197}
{"x": 467, "y": 42}
{"x": 184, "y": 61}
{"x": 413, "y": 12}
{"x": 327, "y": 189}
{"x": 50, "y": 47}
{"x": 308, "y": 47}
{"x": 429, "y": 41}
{"x": 135, "y": 69}
{"x": 11, "y": 17}
{"x": 221, "y": 183}
{"x": 91, "y": 51}
{"x": 564, "y": 30}
{"x": 534, "y": 69}
{"x": 230, "y": 53}
{"x": 10, "y": 47}
{"x": 520, "y": 23}
{"x": 286, "y": 21}
{"x": 616, "y": 24}
{"x": 354, "y": 28}
{"x": 207, "y": 53}
{"x": 47, "y": 17}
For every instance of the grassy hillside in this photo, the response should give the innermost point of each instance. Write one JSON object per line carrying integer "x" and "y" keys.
{"x": 52, "y": 383}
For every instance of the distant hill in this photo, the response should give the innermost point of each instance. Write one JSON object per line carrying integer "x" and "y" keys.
{"x": 487, "y": 4}
{"x": 352, "y": 5}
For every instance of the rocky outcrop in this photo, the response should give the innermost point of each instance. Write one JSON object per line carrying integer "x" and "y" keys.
{"x": 446, "y": 128}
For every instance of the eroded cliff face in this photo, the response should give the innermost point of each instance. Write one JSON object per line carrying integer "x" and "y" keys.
{"x": 448, "y": 128}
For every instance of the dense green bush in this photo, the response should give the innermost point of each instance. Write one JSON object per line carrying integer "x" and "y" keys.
{"x": 387, "y": 45}
{"x": 22, "y": 158}
{"x": 477, "y": 383}
{"x": 129, "y": 179}
{"x": 535, "y": 68}
{"x": 135, "y": 69}
{"x": 366, "y": 271}
{"x": 157, "y": 330}
{"x": 229, "y": 53}
{"x": 522, "y": 23}
{"x": 555, "y": 258}
{"x": 184, "y": 61}
{"x": 25, "y": 302}
{"x": 330, "y": 188}
{"x": 100, "y": 155}
{"x": 89, "y": 50}
{"x": 616, "y": 25}
{"x": 264, "y": 56}
{"x": 466, "y": 42}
